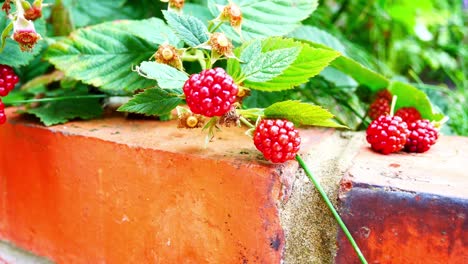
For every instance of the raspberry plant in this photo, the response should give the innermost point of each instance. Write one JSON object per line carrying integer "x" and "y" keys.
{"x": 225, "y": 63}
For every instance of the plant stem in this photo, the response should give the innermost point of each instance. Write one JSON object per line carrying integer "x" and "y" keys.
{"x": 52, "y": 99}
{"x": 332, "y": 209}
{"x": 246, "y": 122}
{"x": 392, "y": 107}
{"x": 19, "y": 8}
{"x": 216, "y": 28}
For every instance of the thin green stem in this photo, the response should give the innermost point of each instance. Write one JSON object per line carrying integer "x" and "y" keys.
{"x": 246, "y": 122}
{"x": 332, "y": 209}
{"x": 52, "y": 99}
{"x": 216, "y": 28}
{"x": 392, "y": 108}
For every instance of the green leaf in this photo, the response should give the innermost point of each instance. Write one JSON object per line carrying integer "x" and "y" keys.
{"x": 361, "y": 74}
{"x": 265, "y": 18}
{"x": 302, "y": 114}
{"x": 320, "y": 39}
{"x": 153, "y": 102}
{"x": 338, "y": 78}
{"x": 410, "y": 96}
{"x": 190, "y": 29}
{"x": 89, "y": 12}
{"x": 58, "y": 112}
{"x": 12, "y": 54}
{"x": 166, "y": 76}
{"x": 199, "y": 11}
{"x": 262, "y": 99}
{"x": 308, "y": 63}
{"x": 318, "y": 36}
{"x": 103, "y": 55}
{"x": 264, "y": 66}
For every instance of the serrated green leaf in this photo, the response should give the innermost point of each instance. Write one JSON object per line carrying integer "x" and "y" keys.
{"x": 320, "y": 39}
{"x": 103, "y": 55}
{"x": 264, "y": 66}
{"x": 199, "y": 11}
{"x": 265, "y": 18}
{"x": 58, "y": 112}
{"x": 308, "y": 63}
{"x": 190, "y": 29}
{"x": 153, "y": 30}
{"x": 166, "y": 76}
{"x": 153, "y": 102}
{"x": 410, "y": 96}
{"x": 302, "y": 114}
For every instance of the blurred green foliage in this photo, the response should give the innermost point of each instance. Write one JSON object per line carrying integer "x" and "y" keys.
{"x": 424, "y": 41}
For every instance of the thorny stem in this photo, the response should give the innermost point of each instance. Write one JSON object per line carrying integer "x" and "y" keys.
{"x": 332, "y": 208}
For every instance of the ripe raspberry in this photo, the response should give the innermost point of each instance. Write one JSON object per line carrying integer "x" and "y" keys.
{"x": 384, "y": 94}
{"x": 278, "y": 140}
{"x": 8, "y": 79}
{"x": 210, "y": 92}
{"x": 422, "y": 136}
{"x": 408, "y": 114}
{"x": 379, "y": 107}
{"x": 2, "y": 113}
{"x": 387, "y": 134}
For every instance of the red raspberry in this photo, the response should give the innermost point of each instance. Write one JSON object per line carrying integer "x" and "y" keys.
{"x": 277, "y": 139}
{"x": 2, "y": 113}
{"x": 210, "y": 92}
{"x": 422, "y": 136}
{"x": 379, "y": 107}
{"x": 387, "y": 134}
{"x": 384, "y": 94}
{"x": 408, "y": 114}
{"x": 8, "y": 79}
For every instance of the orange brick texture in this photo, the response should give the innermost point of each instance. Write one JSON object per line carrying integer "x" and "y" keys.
{"x": 117, "y": 191}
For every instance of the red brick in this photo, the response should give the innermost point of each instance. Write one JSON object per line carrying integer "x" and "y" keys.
{"x": 120, "y": 191}
{"x": 408, "y": 208}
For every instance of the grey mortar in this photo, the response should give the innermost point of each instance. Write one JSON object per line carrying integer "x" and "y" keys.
{"x": 310, "y": 229}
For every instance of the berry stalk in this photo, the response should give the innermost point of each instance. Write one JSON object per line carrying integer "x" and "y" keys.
{"x": 52, "y": 99}
{"x": 332, "y": 208}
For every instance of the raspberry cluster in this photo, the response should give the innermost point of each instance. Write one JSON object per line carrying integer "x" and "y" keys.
{"x": 421, "y": 137}
{"x": 387, "y": 134}
{"x": 277, "y": 139}
{"x": 406, "y": 130}
{"x": 8, "y": 80}
{"x": 210, "y": 92}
